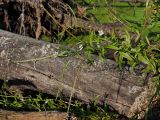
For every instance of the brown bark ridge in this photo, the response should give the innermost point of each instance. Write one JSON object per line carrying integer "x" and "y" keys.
{"x": 30, "y": 64}
{"x": 48, "y": 115}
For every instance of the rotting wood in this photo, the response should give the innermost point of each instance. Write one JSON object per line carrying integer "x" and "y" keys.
{"x": 26, "y": 64}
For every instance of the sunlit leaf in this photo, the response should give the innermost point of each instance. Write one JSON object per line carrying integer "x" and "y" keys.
{"x": 126, "y": 55}
{"x": 112, "y": 47}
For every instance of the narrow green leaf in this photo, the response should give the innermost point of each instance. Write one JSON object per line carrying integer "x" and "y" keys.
{"x": 112, "y": 47}
{"x": 126, "y": 55}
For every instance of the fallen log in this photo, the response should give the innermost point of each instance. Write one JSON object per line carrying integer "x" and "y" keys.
{"x": 35, "y": 65}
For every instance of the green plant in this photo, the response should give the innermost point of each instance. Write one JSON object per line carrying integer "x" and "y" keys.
{"x": 34, "y": 101}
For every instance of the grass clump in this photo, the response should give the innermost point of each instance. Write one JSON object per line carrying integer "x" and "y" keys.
{"x": 35, "y": 101}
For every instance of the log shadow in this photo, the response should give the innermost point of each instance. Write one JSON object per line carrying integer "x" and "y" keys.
{"x": 153, "y": 112}
{"x": 20, "y": 82}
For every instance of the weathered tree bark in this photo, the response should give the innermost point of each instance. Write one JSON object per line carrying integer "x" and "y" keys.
{"x": 12, "y": 115}
{"x": 30, "y": 64}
